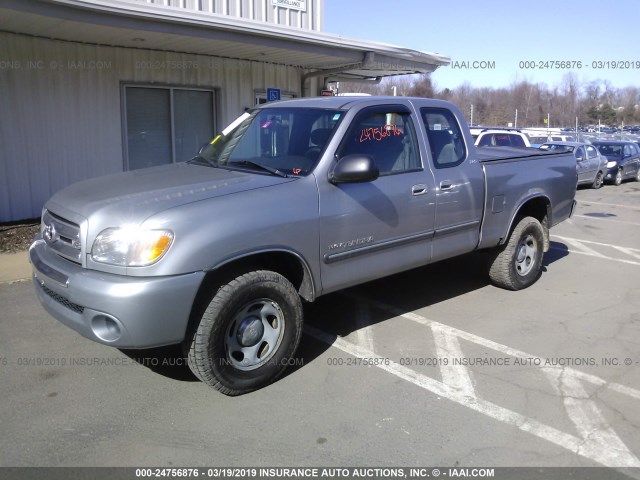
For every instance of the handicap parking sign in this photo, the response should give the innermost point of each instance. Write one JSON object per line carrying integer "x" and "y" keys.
{"x": 273, "y": 94}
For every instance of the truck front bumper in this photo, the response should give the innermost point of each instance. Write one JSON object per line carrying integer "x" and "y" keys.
{"x": 124, "y": 312}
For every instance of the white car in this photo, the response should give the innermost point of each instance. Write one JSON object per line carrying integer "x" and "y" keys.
{"x": 502, "y": 138}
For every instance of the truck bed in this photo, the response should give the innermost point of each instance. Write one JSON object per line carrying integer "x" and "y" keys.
{"x": 515, "y": 175}
{"x": 492, "y": 154}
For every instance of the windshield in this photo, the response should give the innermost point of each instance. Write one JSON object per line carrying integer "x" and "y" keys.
{"x": 609, "y": 150}
{"x": 286, "y": 140}
{"x": 556, "y": 147}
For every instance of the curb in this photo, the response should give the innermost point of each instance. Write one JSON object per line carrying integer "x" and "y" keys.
{"x": 14, "y": 267}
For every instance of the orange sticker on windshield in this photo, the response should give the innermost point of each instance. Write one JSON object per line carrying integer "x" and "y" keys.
{"x": 296, "y": 171}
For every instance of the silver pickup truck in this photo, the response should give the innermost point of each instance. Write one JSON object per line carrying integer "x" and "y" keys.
{"x": 293, "y": 200}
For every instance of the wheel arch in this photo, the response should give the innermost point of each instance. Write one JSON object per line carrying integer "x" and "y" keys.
{"x": 287, "y": 263}
{"x": 538, "y": 207}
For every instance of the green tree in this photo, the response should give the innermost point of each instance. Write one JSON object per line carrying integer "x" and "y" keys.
{"x": 604, "y": 113}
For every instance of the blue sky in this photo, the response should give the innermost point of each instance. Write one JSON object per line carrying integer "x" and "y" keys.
{"x": 505, "y": 33}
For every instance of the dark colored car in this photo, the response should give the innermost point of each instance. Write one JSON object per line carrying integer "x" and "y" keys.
{"x": 623, "y": 160}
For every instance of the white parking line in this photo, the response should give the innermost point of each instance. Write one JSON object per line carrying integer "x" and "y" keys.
{"x": 588, "y": 203}
{"x": 607, "y": 219}
{"x": 632, "y": 252}
{"x": 441, "y": 389}
{"x": 597, "y": 440}
{"x": 364, "y": 332}
{"x": 580, "y": 247}
{"x": 456, "y": 376}
{"x": 585, "y": 415}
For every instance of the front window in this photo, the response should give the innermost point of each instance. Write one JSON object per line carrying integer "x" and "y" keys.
{"x": 283, "y": 140}
{"x": 388, "y": 136}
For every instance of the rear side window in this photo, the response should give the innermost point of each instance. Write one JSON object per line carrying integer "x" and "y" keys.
{"x": 517, "y": 141}
{"x": 445, "y": 137}
{"x": 591, "y": 152}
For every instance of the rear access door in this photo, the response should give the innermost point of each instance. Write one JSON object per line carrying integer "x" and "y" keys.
{"x": 459, "y": 184}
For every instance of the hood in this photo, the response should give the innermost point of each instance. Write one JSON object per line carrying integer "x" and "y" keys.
{"x": 134, "y": 196}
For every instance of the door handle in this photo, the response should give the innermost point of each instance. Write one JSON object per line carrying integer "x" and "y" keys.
{"x": 446, "y": 185}
{"x": 419, "y": 189}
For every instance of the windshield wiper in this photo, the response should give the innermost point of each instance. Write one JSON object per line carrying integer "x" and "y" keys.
{"x": 201, "y": 159}
{"x": 259, "y": 166}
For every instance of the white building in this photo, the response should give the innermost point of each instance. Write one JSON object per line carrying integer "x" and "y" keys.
{"x": 95, "y": 87}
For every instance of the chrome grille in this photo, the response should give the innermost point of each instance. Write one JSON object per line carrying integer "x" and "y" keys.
{"x": 62, "y": 236}
{"x": 64, "y": 301}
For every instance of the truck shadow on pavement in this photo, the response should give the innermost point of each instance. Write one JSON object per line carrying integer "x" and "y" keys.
{"x": 336, "y": 314}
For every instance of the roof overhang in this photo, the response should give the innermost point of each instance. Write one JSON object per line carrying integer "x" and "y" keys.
{"x": 125, "y": 23}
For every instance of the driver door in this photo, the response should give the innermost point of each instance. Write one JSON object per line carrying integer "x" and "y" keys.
{"x": 373, "y": 229}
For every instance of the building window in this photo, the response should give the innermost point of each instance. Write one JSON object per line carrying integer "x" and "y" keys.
{"x": 165, "y": 124}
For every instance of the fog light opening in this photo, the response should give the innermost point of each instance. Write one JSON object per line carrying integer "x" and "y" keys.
{"x": 106, "y": 328}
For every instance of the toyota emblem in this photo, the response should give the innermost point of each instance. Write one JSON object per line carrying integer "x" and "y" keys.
{"x": 49, "y": 233}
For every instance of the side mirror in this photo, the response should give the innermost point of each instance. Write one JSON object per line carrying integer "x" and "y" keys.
{"x": 356, "y": 168}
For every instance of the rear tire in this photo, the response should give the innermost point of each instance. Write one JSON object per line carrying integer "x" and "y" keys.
{"x": 516, "y": 264}
{"x": 638, "y": 174}
{"x": 248, "y": 333}
{"x": 597, "y": 182}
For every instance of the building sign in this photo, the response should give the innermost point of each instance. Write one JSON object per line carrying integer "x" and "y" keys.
{"x": 273, "y": 94}
{"x": 293, "y": 4}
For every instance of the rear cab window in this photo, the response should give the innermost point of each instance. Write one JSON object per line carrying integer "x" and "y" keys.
{"x": 445, "y": 137}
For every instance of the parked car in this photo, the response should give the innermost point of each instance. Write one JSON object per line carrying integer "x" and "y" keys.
{"x": 538, "y": 141}
{"x": 502, "y": 138}
{"x": 562, "y": 138}
{"x": 623, "y": 160}
{"x": 590, "y": 165}
{"x": 293, "y": 200}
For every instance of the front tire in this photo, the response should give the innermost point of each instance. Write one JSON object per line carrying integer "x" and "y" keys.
{"x": 618, "y": 180}
{"x": 248, "y": 333}
{"x": 516, "y": 264}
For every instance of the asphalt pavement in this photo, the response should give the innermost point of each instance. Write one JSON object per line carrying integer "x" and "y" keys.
{"x": 431, "y": 367}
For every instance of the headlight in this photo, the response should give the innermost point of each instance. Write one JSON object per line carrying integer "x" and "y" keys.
{"x": 131, "y": 246}
{"x": 611, "y": 164}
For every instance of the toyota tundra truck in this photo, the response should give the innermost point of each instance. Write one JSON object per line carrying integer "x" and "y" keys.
{"x": 293, "y": 200}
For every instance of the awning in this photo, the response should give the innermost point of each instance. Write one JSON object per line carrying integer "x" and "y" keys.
{"x": 132, "y": 24}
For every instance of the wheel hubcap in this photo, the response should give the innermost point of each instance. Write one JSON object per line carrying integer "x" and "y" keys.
{"x": 254, "y": 335}
{"x": 526, "y": 255}
{"x": 250, "y": 332}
